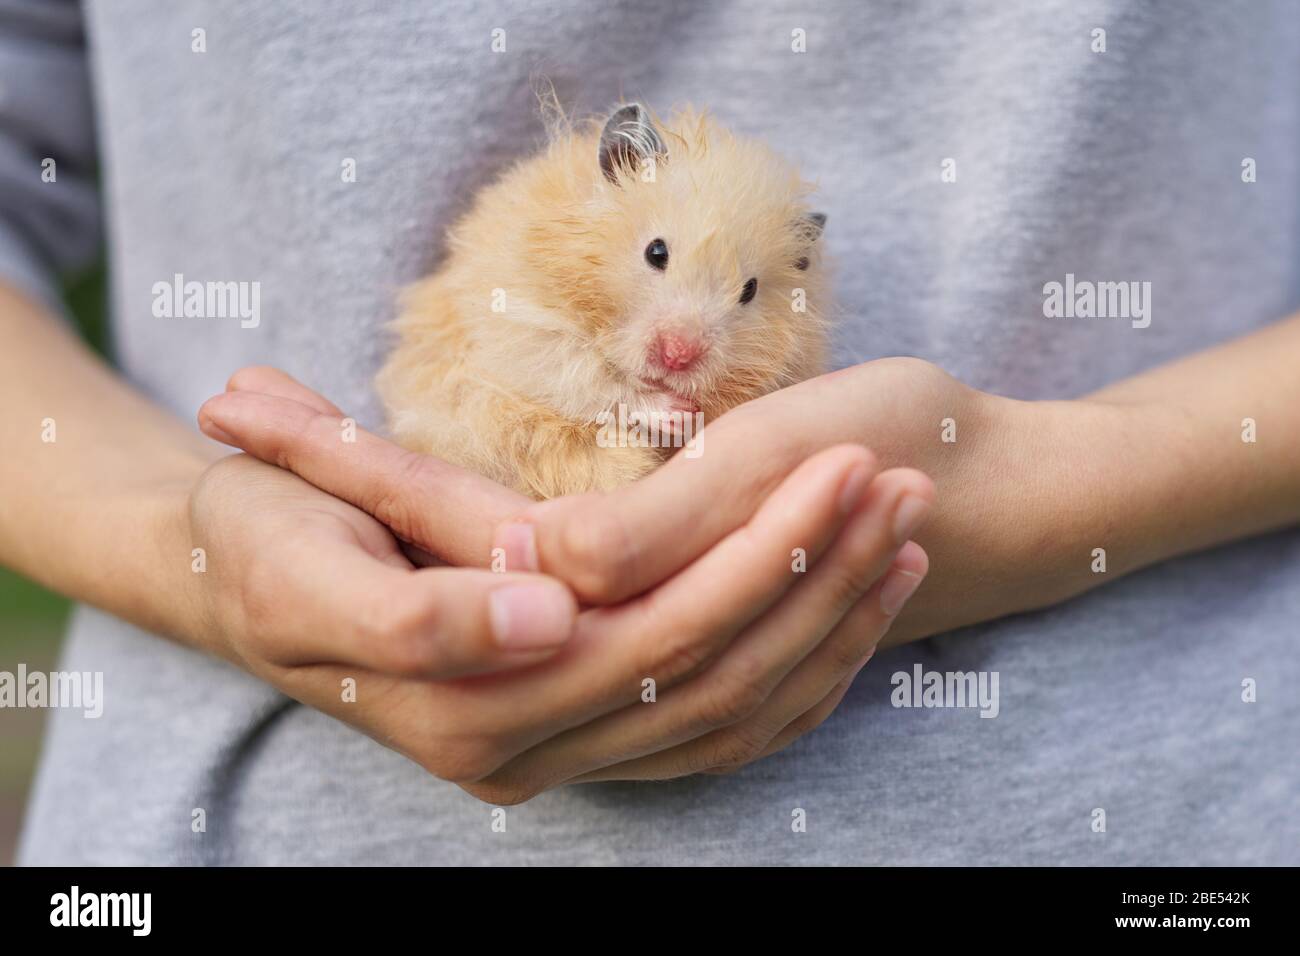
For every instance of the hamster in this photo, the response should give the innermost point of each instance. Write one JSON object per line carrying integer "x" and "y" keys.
{"x": 658, "y": 269}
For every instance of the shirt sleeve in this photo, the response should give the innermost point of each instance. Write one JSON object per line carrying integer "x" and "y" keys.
{"x": 49, "y": 209}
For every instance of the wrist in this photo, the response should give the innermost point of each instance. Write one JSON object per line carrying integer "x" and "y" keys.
{"x": 1078, "y": 496}
{"x": 147, "y": 571}
{"x": 1025, "y": 494}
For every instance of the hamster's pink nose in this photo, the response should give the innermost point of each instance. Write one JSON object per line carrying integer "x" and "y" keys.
{"x": 677, "y": 351}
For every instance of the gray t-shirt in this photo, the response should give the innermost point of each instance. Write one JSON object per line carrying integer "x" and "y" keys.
{"x": 1119, "y": 165}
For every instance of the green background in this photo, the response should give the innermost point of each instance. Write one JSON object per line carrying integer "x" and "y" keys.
{"x": 32, "y": 619}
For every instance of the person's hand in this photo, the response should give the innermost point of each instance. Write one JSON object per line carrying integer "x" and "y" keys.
{"x": 295, "y": 579}
{"x": 744, "y": 651}
{"x": 1019, "y": 507}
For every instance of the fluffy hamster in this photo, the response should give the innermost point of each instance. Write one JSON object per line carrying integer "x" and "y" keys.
{"x": 665, "y": 267}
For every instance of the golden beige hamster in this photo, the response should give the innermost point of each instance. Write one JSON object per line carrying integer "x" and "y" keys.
{"x": 634, "y": 270}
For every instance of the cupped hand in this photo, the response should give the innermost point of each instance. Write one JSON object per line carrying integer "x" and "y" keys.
{"x": 1003, "y": 470}
{"x": 744, "y": 646}
{"x": 292, "y": 577}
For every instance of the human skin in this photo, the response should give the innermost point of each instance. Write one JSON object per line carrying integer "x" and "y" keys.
{"x": 1146, "y": 469}
{"x": 304, "y": 590}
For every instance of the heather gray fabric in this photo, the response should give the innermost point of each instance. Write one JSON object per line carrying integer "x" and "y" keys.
{"x": 1123, "y": 165}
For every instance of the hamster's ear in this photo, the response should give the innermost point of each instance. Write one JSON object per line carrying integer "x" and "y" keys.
{"x": 628, "y": 139}
{"x": 812, "y": 226}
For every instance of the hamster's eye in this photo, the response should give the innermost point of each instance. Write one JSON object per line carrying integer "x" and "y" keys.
{"x": 657, "y": 254}
{"x": 750, "y": 290}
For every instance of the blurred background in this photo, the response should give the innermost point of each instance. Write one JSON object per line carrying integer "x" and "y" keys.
{"x": 32, "y": 619}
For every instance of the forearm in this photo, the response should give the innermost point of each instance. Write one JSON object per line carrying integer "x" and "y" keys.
{"x": 1147, "y": 469}
{"x": 92, "y": 495}
{"x": 1228, "y": 487}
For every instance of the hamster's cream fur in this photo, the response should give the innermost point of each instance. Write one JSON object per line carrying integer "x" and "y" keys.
{"x": 552, "y": 306}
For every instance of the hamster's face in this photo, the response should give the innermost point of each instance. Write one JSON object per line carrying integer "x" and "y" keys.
{"x": 712, "y": 259}
{"x": 708, "y": 287}
{"x": 714, "y": 303}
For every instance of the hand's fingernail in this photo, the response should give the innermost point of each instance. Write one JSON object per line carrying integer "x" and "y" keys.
{"x": 898, "y": 587}
{"x": 212, "y": 430}
{"x": 519, "y": 541}
{"x": 530, "y": 616}
{"x": 909, "y": 517}
{"x": 854, "y": 486}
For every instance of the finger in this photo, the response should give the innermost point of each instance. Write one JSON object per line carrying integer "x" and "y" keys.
{"x": 324, "y": 600}
{"x": 666, "y": 635}
{"x": 444, "y": 510}
{"x": 836, "y": 660}
{"x": 851, "y": 638}
{"x": 272, "y": 381}
{"x": 739, "y": 683}
{"x": 807, "y": 722}
{"x": 614, "y": 545}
